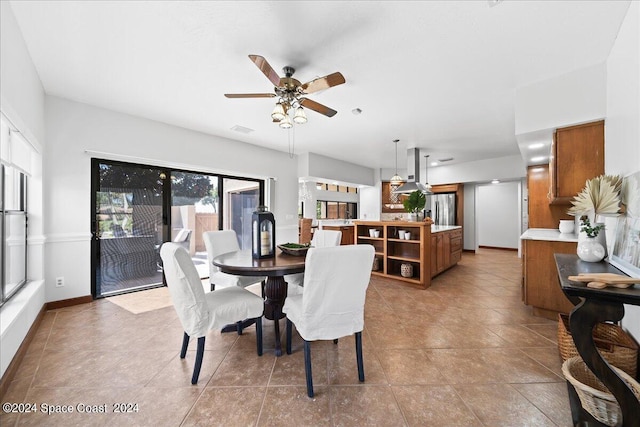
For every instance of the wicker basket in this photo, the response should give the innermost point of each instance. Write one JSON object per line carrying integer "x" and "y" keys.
{"x": 614, "y": 344}
{"x": 594, "y": 396}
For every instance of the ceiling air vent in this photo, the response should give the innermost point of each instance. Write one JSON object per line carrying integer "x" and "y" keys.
{"x": 448, "y": 159}
{"x": 241, "y": 129}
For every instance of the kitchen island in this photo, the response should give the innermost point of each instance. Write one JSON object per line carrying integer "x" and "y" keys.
{"x": 346, "y": 227}
{"x": 412, "y": 252}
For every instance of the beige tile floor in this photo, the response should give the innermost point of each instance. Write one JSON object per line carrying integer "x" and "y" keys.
{"x": 465, "y": 352}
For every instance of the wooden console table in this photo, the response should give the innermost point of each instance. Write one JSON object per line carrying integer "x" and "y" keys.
{"x": 593, "y": 306}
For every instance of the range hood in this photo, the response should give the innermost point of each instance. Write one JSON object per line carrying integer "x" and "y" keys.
{"x": 413, "y": 174}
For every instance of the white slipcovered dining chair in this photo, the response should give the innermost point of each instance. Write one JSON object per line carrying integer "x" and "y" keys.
{"x": 326, "y": 238}
{"x": 200, "y": 312}
{"x": 218, "y": 243}
{"x": 332, "y": 304}
{"x": 321, "y": 239}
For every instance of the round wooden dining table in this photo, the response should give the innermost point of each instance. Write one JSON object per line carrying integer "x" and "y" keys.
{"x": 241, "y": 263}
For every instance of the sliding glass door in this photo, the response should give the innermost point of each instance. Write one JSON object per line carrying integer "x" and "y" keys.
{"x": 127, "y": 226}
{"x": 242, "y": 199}
{"x": 136, "y": 208}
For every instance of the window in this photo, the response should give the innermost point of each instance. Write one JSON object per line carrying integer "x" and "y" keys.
{"x": 336, "y": 210}
{"x": 336, "y": 188}
{"x": 13, "y": 213}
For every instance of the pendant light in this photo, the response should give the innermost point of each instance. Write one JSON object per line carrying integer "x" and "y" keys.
{"x": 427, "y": 186}
{"x": 396, "y": 180}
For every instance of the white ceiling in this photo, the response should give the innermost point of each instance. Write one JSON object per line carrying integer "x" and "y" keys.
{"x": 439, "y": 75}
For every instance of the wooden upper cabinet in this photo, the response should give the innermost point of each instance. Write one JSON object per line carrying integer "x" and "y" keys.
{"x": 577, "y": 154}
{"x": 541, "y": 213}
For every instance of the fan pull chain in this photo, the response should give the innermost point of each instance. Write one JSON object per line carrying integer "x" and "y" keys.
{"x": 292, "y": 141}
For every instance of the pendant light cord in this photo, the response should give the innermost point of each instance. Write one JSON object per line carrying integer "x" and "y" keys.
{"x": 396, "y": 142}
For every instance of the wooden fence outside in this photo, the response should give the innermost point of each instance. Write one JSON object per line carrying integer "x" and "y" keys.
{"x": 204, "y": 222}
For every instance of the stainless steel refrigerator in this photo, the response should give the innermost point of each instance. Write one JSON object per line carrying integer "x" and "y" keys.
{"x": 442, "y": 208}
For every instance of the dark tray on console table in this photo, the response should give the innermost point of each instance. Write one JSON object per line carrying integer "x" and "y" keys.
{"x": 593, "y": 306}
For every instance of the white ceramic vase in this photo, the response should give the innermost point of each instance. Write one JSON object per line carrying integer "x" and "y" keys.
{"x": 590, "y": 250}
{"x": 600, "y": 238}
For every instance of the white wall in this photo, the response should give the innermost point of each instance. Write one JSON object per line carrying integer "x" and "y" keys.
{"x": 22, "y": 101}
{"x": 622, "y": 127}
{"x": 371, "y": 200}
{"x": 498, "y": 214}
{"x": 22, "y": 95}
{"x": 469, "y": 225}
{"x": 326, "y": 168}
{"x": 503, "y": 168}
{"x": 74, "y": 128}
{"x": 576, "y": 97}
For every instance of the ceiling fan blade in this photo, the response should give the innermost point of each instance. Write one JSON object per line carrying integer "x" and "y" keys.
{"x": 317, "y": 107}
{"x": 266, "y": 69}
{"x": 250, "y": 95}
{"x": 321, "y": 83}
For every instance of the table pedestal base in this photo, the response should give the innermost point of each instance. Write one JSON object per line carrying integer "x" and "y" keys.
{"x": 275, "y": 292}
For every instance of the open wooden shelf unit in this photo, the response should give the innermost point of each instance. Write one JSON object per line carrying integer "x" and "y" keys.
{"x": 392, "y": 251}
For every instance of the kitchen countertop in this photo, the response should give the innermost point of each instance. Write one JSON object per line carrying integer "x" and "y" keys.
{"x": 440, "y": 228}
{"x": 434, "y": 228}
{"x": 335, "y": 223}
{"x": 548, "y": 234}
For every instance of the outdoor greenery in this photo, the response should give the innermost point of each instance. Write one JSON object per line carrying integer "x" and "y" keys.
{"x": 126, "y": 186}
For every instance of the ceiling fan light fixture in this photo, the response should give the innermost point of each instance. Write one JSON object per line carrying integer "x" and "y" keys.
{"x": 278, "y": 112}
{"x": 300, "y": 117}
{"x": 285, "y": 123}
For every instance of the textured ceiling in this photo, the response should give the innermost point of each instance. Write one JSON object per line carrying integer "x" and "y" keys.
{"x": 439, "y": 75}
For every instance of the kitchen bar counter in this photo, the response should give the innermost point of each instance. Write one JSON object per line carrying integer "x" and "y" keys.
{"x": 548, "y": 234}
{"x": 541, "y": 288}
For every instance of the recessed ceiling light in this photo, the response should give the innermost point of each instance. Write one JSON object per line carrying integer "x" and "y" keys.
{"x": 356, "y": 111}
{"x": 538, "y": 159}
{"x": 536, "y": 145}
{"x": 495, "y": 181}
{"x": 434, "y": 163}
{"x": 537, "y": 169}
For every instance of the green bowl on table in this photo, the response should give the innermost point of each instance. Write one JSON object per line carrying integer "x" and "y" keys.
{"x": 295, "y": 249}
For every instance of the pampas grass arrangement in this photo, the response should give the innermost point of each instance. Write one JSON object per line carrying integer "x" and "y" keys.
{"x": 600, "y": 196}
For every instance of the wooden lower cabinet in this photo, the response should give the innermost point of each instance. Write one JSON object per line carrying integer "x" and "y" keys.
{"x": 446, "y": 250}
{"x": 347, "y": 233}
{"x": 541, "y": 288}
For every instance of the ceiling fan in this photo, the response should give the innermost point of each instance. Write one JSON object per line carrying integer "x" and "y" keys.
{"x": 291, "y": 93}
